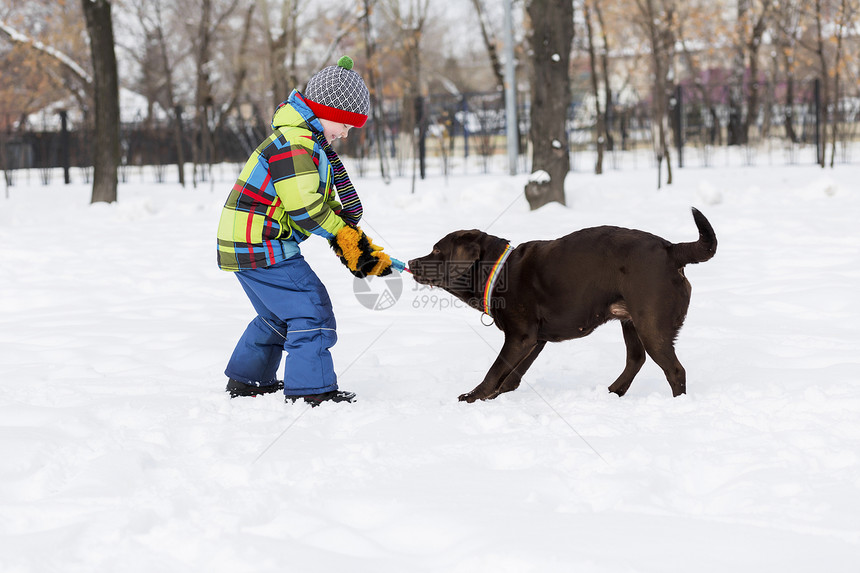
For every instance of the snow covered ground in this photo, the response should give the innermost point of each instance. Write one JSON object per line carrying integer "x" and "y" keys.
{"x": 119, "y": 450}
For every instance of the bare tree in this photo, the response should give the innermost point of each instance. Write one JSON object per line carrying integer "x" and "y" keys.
{"x": 375, "y": 91}
{"x": 408, "y": 21}
{"x": 759, "y": 25}
{"x": 491, "y": 43}
{"x": 831, "y": 22}
{"x": 151, "y": 17}
{"x": 202, "y": 144}
{"x": 551, "y": 39}
{"x": 753, "y": 20}
{"x": 281, "y": 46}
{"x": 106, "y": 151}
{"x": 657, "y": 19}
{"x": 346, "y": 22}
{"x": 704, "y": 91}
{"x": 240, "y": 67}
{"x": 61, "y": 69}
{"x": 600, "y": 128}
{"x": 212, "y": 17}
{"x": 846, "y": 17}
{"x": 604, "y": 61}
{"x": 788, "y": 20}
{"x": 703, "y": 20}
{"x": 183, "y": 43}
{"x": 820, "y": 51}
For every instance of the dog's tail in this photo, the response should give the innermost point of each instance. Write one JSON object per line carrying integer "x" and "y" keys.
{"x": 701, "y": 250}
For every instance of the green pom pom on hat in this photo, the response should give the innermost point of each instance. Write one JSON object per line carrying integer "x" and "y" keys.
{"x": 345, "y": 62}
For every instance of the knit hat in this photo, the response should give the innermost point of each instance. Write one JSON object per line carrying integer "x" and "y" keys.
{"x": 337, "y": 93}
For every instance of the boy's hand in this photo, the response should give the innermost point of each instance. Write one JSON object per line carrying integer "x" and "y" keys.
{"x": 359, "y": 254}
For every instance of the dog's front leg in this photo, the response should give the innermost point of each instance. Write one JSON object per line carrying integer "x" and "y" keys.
{"x": 512, "y": 354}
{"x": 512, "y": 382}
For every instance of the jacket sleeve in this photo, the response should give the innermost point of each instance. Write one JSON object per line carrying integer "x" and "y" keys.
{"x": 297, "y": 184}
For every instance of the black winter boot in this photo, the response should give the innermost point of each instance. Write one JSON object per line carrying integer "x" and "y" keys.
{"x": 316, "y": 399}
{"x": 236, "y": 388}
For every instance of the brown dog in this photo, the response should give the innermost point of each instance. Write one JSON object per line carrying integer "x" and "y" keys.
{"x": 548, "y": 291}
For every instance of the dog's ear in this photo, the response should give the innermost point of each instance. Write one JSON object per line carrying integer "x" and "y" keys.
{"x": 469, "y": 246}
{"x": 485, "y": 241}
{"x": 465, "y": 251}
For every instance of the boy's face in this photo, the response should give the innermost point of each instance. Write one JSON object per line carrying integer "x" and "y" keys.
{"x": 333, "y": 130}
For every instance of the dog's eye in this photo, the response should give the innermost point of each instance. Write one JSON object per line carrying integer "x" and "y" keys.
{"x": 436, "y": 251}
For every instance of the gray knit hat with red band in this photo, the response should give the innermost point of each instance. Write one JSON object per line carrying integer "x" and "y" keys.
{"x": 337, "y": 93}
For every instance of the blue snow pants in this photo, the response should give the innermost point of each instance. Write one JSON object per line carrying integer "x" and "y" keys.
{"x": 294, "y": 313}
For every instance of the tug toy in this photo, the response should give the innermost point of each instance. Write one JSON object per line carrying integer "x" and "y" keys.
{"x": 399, "y": 265}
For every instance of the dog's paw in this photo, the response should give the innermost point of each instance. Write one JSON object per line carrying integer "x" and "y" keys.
{"x": 618, "y": 391}
{"x": 468, "y": 397}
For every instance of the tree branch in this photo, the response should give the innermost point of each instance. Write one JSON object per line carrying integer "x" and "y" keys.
{"x": 62, "y": 59}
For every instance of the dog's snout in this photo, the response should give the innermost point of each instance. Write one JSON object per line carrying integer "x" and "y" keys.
{"x": 422, "y": 271}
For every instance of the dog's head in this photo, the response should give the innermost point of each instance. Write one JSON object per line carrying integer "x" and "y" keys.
{"x": 452, "y": 258}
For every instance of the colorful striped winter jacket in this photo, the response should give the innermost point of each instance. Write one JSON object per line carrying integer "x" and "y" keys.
{"x": 284, "y": 193}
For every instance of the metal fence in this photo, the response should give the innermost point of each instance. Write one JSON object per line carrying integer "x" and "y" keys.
{"x": 703, "y": 122}
{"x": 472, "y": 126}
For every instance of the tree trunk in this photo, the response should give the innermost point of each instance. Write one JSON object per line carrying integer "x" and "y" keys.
{"x": 661, "y": 45}
{"x": 551, "y": 39}
{"x": 790, "y": 133}
{"x": 412, "y": 100}
{"x": 592, "y": 59}
{"x": 609, "y": 144}
{"x": 167, "y": 70}
{"x": 752, "y": 49}
{"x": 788, "y": 22}
{"x": 241, "y": 69}
{"x": 201, "y": 145}
{"x": 106, "y": 151}
{"x": 375, "y": 94}
{"x": 825, "y": 83}
{"x": 490, "y": 43}
{"x": 281, "y": 48}
{"x": 843, "y": 25}
{"x": 736, "y": 86}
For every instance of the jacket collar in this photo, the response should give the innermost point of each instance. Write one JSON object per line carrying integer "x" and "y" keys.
{"x": 294, "y": 112}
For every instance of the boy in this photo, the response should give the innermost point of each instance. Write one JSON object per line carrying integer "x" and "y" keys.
{"x": 285, "y": 194}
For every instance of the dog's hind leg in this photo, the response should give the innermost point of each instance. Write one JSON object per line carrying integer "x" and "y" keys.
{"x": 635, "y": 358}
{"x": 661, "y": 349}
{"x": 512, "y": 382}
